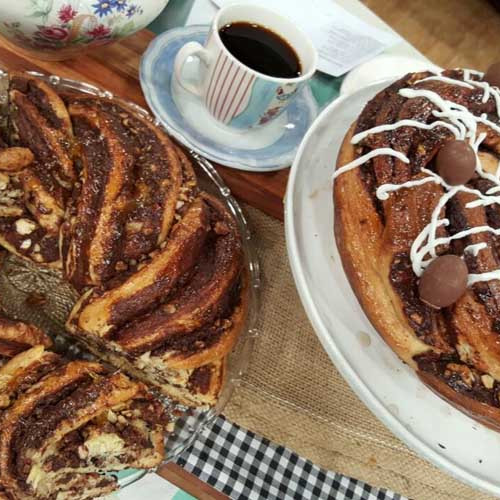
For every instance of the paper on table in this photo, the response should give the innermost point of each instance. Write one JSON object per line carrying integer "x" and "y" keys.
{"x": 343, "y": 41}
{"x": 151, "y": 486}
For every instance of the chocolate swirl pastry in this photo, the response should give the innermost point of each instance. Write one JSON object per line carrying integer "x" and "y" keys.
{"x": 410, "y": 210}
{"x": 64, "y": 424}
{"x": 93, "y": 187}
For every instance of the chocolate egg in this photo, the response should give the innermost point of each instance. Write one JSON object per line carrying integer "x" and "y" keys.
{"x": 456, "y": 162}
{"x": 492, "y": 75}
{"x": 444, "y": 281}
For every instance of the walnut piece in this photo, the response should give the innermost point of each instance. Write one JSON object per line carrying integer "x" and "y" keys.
{"x": 25, "y": 226}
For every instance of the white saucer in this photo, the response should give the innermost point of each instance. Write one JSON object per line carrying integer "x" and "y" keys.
{"x": 270, "y": 147}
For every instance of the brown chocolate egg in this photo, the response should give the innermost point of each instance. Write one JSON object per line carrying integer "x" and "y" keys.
{"x": 456, "y": 162}
{"x": 444, "y": 281}
{"x": 492, "y": 75}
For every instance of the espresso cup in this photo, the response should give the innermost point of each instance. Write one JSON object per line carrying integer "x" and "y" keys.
{"x": 233, "y": 93}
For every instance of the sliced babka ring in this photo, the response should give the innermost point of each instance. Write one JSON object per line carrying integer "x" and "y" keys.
{"x": 23, "y": 371}
{"x": 201, "y": 316}
{"x": 99, "y": 313}
{"x": 74, "y": 423}
{"x": 96, "y": 227}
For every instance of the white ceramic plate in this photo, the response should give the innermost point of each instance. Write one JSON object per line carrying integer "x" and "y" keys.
{"x": 426, "y": 423}
{"x": 382, "y": 68}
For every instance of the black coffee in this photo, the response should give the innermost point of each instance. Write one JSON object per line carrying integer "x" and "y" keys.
{"x": 261, "y": 49}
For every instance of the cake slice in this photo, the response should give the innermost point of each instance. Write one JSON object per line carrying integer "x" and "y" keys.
{"x": 60, "y": 436}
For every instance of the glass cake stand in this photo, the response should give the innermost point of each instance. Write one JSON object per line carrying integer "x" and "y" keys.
{"x": 41, "y": 296}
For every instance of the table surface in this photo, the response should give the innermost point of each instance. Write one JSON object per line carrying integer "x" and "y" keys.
{"x": 116, "y": 68}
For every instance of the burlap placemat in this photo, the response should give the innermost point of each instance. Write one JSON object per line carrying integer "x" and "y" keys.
{"x": 293, "y": 395}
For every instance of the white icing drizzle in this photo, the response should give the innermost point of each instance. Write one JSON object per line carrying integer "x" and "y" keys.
{"x": 368, "y": 156}
{"x": 445, "y": 79}
{"x": 463, "y": 124}
{"x": 487, "y": 88}
{"x": 476, "y": 278}
{"x": 384, "y": 190}
{"x": 405, "y": 123}
{"x": 475, "y": 248}
{"x": 467, "y": 72}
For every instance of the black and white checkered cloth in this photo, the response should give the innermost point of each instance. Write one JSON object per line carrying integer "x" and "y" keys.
{"x": 243, "y": 465}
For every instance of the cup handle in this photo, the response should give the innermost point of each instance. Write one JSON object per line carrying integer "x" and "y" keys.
{"x": 191, "y": 49}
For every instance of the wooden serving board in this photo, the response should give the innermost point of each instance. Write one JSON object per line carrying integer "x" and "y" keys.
{"x": 116, "y": 68}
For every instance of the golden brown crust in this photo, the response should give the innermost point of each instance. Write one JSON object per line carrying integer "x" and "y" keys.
{"x": 98, "y": 314}
{"x": 25, "y": 370}
{"x": 15, "y": 159}
{"x": 455, "y": 351}
{"x": 359, "y": 236}
{"x": 17, "y": 336}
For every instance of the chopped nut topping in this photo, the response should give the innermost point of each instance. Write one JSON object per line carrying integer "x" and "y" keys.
{"x": 221, "y": 228}
{"x": 464, "y": 372}
{"x": 488, "y": 381}
{"x": 112, "y": 416}
{"x": 25, "y": 226}
{"x": 4, "y": 181}
{"x": 37, "y": 257}
{"x": 170, "y": 308}
{"x": 83, "y": 452}
{"x": 121, "y": 266}
{"x": 10, "y": 211}
{"x": 25, "y": 244}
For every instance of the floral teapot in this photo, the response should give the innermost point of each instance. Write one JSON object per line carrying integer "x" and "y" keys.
{"x": 58, "y": 29}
